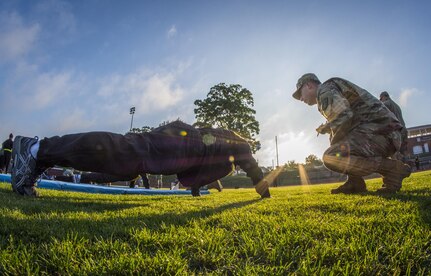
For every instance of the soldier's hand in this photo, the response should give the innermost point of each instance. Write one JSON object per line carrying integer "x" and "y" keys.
{"x": 262, "y": 188}
{"x": 323, "y": 129}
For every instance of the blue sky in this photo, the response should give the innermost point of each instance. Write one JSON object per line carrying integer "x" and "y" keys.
{"x": 78, "y": 66}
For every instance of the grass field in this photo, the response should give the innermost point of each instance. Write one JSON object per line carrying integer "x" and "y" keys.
{"x": 300, "y": 230}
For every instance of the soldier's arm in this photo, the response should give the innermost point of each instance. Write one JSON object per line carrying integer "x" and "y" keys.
{"x": 336, "y": 109}
{"x": 324, "y": 129}
{"x": 250, "y": 166}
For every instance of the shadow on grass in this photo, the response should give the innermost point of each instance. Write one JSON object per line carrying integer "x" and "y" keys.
{"x": 421, "y": 196}
{"x": 70, "y": 203}
{"x": 58, "y": 217}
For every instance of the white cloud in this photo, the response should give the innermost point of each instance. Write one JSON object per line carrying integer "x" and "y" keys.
{"x": 16, "y": 38}
{"x": 60, "y": 12}
{"x": 74, "y": 120}
{"x": 32, "y": 90}
{"x": 110, "y": 85}
{"x": 49, "y": 88}
{"x": 291, "y": 146}
{"x": 23, "y": 69}
{"x": 405, "y": 95}
{"x": 159, "y": 93}
{"x": 172, "y": 31}
{"x": 150, "y": 91}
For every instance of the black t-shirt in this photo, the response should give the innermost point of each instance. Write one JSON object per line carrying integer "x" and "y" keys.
{"x": 8, "y": 144}
{"x": 198, "y": 156}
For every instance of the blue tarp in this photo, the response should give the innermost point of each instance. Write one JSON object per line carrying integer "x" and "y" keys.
{"x": 98, "y": 189}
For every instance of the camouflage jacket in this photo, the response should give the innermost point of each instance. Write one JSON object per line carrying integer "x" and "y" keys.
{"x": 347, "y": 106}
{"x": 392, "y": 106}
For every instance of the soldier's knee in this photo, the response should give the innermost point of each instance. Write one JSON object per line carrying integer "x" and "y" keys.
{"x": 334, "y": 161}
{"x": 329, "y": 161}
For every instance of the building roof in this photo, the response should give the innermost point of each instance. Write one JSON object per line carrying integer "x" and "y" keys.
{"x": 419, "y": 130}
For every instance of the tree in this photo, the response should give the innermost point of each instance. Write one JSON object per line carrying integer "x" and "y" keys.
{"x": 229, "y": 107}
{"x": 313, "y": 160}
{"x": 148, "y": 128}
{"x": 141, "y": 130}
{"x": 291, "y": 165}
{"x": 168, "y": 122}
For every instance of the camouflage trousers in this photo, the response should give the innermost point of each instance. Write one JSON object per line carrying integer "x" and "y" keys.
{"x": 403, "y": 151}
{"x": 360, "y": 153}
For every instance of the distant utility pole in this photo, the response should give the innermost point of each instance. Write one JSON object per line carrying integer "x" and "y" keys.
{"x": 276, "y": 149}
{"x": 132, "y": 111}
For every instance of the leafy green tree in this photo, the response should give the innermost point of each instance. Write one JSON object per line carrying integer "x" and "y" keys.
{"x": 168, "y": 122}
{"x": 313, "y": 160}
{"x": 141, "y": 130}
{"x": 291, "y": 165}
{"x": 229, "y": 107}
{"x": 148, "y": 128}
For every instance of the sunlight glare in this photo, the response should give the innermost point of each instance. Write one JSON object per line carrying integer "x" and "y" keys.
{"x": 303, "y": 175}
{"x": 272, "y": 175}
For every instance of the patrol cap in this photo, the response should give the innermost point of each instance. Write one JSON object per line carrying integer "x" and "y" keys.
{"x": 303, "y": 80}
{"x": 384, "y": 94}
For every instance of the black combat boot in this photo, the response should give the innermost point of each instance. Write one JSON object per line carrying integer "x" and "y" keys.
{"x": 196, "y": 191}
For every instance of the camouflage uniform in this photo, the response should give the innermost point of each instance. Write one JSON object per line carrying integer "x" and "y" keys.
{"x": 394, "y": 108}
{"x": 363, "y": 133}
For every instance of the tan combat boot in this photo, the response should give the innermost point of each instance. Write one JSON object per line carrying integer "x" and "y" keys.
{"x": 353, "y": 185}
{"x": 393, "y": 172}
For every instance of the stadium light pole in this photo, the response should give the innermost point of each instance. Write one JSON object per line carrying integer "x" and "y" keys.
{"x": 132, "y": 111}
{"x": 276, "y": 150}
{"x": 275, "y": 183}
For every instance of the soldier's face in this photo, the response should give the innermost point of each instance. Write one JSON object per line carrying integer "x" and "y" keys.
{"x": 309, "y": 93}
